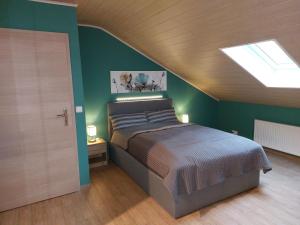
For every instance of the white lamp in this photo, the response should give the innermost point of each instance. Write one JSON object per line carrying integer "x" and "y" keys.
{"x": 185, "y": 118}
{"x": 92, "y": 132}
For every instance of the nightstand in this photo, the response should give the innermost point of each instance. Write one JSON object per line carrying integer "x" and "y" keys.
{"x": 97, "y": 153}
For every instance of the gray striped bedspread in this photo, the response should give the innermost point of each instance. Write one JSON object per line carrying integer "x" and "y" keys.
{"x": 191, "y": 157}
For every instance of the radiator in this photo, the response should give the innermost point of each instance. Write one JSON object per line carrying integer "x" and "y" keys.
{"x": 282, "y": 137}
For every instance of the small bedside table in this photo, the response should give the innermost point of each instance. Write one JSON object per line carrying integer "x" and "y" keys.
{"x": 97, "y": 153}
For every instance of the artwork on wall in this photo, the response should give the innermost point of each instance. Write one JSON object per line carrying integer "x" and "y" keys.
{"x": 138, "y": 81}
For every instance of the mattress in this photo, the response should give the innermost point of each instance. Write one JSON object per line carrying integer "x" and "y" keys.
{"x": 190, "y": 157}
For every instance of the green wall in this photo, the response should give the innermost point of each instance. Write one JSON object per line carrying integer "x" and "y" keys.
{"x": 240, "y": 116}
{"x": 102, "y": 53}
{"x": 23, "y": 14}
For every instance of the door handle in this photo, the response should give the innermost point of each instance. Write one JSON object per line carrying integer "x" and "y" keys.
{"x": 64, "y": 115}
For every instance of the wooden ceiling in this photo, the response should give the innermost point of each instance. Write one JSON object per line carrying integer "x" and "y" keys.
{"x": 186, "y": 35}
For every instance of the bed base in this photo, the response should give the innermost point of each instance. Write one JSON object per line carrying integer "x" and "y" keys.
{"x": 152, "y": 184}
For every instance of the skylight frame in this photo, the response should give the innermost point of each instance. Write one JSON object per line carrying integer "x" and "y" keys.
{"x": 261, "y": 65}
{"x": 277, "y": 45}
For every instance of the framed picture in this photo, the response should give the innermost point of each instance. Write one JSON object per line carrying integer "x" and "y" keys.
{"x": 138, "y": 81}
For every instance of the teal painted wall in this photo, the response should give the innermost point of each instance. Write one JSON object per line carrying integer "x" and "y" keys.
{"x": 240, "y": 116}
{"x": 23, "y": 14}
{"x": 102, "y": 53}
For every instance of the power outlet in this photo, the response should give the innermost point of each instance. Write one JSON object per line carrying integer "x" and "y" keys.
{"x": 235, "y": 132}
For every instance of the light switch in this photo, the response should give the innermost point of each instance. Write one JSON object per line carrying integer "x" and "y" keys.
{"x": 78, "y": 109}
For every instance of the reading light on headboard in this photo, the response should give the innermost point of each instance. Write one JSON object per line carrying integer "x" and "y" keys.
{"x": 137, "y": 98}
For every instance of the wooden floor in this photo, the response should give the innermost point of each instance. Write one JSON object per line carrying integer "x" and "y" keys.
{"x": 113, "y": 198}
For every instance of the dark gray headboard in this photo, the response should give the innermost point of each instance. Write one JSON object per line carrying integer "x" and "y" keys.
{"x": 136, "y": 107}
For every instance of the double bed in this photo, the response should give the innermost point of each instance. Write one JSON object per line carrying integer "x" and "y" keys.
{"x": 182, "y": 166}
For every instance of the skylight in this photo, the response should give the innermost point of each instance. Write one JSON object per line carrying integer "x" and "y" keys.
{"x": 268, "y": 62}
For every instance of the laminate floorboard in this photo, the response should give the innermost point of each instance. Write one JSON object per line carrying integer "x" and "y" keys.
{"x": 113, "y": 198}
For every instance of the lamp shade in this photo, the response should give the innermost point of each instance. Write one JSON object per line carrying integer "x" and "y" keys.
{"x": 92, "y": 130}
{"x": 185, "y": 118}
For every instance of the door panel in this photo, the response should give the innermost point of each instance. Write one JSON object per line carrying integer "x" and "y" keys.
{"x": 38, "y": 153}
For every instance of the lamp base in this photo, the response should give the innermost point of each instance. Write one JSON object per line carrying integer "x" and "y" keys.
{"x": 92, "y": 139}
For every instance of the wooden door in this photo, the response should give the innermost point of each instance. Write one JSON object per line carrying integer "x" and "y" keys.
{"x": 38, "y": 153}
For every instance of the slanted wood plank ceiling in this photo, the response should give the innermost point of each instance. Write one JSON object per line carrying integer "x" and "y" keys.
{"x": 186, "y": 35}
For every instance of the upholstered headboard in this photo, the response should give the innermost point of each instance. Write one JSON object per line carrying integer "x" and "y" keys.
{"x": 136, "y": 107}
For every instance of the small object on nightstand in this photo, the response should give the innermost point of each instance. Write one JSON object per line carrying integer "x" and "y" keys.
{"x": 91, "y": 132}
{"x": 185, "y": 118}
{"x": 97, "y": 153}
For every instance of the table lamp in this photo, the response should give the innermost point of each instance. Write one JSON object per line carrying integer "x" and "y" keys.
{"x": 92, "y": 132}
{"x": 185, "y": 118}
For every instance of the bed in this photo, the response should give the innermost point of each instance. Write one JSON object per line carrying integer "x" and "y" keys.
{"x": 184, "y": 167}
